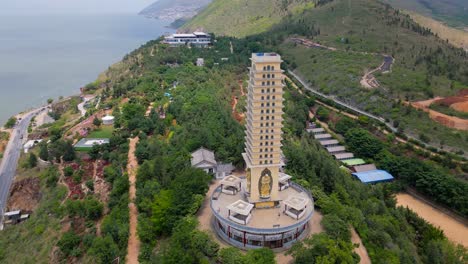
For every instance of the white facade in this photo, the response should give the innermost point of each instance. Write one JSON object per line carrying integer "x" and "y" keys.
{"x": 198, "y": 39}
{"x": 108, "y": 120}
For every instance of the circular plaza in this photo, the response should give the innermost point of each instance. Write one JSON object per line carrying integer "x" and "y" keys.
{"x": 245, "y": 226}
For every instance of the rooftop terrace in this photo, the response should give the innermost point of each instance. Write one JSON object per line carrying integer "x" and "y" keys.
{"x": 264, "y": 218}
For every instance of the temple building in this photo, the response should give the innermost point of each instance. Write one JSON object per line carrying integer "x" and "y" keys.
{"x": 264, "y": 208}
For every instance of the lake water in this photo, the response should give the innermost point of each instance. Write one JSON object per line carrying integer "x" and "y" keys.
{"x": 47, "y": 56}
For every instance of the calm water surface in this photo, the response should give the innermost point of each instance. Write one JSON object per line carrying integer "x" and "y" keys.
{"x": 47, "y": 56}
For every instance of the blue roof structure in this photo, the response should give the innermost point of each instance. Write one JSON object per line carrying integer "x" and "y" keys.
{"x": 373, "y": 176}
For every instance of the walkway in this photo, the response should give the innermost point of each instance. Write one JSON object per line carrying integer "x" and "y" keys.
{"x": 360, "y": 250}
{"x": 133, "y": 240}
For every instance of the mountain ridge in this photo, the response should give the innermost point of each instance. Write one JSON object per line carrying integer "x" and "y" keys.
{"x": 174, "y": 9}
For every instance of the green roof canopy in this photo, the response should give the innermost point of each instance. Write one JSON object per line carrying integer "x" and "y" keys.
{"x": 353, "y": 162}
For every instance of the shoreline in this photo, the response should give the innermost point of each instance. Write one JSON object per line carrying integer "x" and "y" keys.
{"x": 34, "y": 108}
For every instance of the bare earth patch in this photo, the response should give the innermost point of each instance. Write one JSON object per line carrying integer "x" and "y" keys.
{"x": 360, "y": 250}
{"x": 453, "y": 229}
{"x": 446, "y": 120}
{"x": 133, "y": 240}
{"x": 25, "y": 195}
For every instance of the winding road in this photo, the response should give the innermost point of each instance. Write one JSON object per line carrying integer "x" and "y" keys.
{"x": 11, "y": 157}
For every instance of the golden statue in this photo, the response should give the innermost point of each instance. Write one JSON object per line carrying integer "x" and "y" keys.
{"x": 265, "y": 184}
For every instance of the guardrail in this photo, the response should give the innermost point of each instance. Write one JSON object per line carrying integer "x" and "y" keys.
{"x": 265, "y": 230}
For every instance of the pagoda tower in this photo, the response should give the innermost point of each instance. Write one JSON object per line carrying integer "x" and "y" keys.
{"x": 264, "y": 130}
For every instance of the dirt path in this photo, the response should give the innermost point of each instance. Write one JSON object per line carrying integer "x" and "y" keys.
{"x": 453, "y": 229}
{"x": 361, "y": 250}
{"x": 368, "y": 80}
{"x": 133, "y": 240}
{"x": 241, "y": 87}
{"x": 446, "y": 120}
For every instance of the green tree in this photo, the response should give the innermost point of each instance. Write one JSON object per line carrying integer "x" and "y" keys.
{"x": 43, "y": 151}
{"x": 323, "y": 249}
{"x": 11, "y": 122}
{"x": 161, "y": 219}
{"x": 104, "y": 249}
{"x": 97, "y": 122}
{"x": 363, "y": 143}
{"x": 69, "y": 244}
{"x": 261, "y": 255}
{"x": 231, "y": 255}
{"x": 32, "y": 161}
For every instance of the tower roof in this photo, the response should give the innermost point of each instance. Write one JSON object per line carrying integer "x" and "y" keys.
{"x": 266, "y": 57}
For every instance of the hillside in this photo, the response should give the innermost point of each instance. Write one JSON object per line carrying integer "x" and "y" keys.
{"x": 174, "y": 9}
{"x": 240, "y": 18}
{"x": 361, "y": 31}
{"x": 452, "y": 12}
{"x": 457, "y": 37}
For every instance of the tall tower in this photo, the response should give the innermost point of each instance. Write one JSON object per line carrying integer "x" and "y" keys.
{"x": 263, "y": 129}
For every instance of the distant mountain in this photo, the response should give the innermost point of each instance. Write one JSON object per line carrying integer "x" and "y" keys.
{"x": 174, "y": 9}
{"x": 451, "y": 12}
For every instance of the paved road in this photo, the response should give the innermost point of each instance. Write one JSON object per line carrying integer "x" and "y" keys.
{"x": 361, "y": 112}
{"x": 380, "y": 119}
{"x": 11, "y": 157}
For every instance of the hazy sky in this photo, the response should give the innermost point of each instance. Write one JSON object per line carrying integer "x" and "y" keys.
{"x": 74, "y": 6}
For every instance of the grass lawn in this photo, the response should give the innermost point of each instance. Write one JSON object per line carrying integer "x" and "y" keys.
{"x": 102, "y": 132}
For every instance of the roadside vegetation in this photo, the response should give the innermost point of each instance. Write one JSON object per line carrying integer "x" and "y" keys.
{"x": 11, "y": 122}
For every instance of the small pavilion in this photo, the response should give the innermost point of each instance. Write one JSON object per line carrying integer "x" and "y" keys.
{"x": 295, "y": 206}
{"x": 231, "y": 185}
{"x": 284, "y": 181}
{"x": 240, "y": 212}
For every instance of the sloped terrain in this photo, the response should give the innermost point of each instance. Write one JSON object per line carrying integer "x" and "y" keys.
{"x": 240, "y": 18}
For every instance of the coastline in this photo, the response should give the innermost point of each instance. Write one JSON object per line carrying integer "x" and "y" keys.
{"x": 56, "y": 55}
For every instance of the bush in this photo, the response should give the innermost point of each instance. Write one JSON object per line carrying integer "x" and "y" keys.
{"x": 11, "y": 122}
{"x": 68, "y": 171}
{"x": 104, "y": 249}
{"x": 69, "y": 244}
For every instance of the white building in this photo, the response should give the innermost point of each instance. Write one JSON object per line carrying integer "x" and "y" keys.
{"x": 108, "y": 120}
{"x": 30, "y": 144}
{"x": 196, "y": 39}
{"x": 204, "y": 159}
